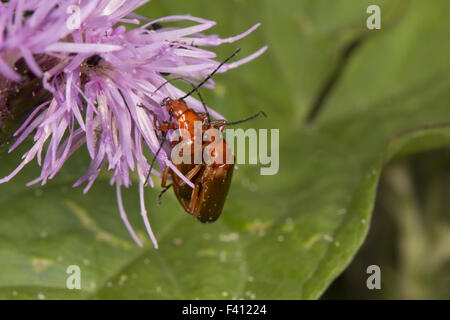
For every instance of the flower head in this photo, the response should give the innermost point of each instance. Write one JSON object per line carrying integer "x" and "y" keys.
{"x": 104, "y": 83}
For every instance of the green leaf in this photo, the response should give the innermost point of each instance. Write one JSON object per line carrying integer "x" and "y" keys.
{"x": 282, "y": 236}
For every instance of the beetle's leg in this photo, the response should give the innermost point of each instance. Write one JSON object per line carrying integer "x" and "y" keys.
{"x": 194, "y": 199}
{"x": 167, "y": 126}
{"x": 162, "y": 127}
{"x": 162, "y": 193}
{"x": 155, "y": 119}
{"x": 157, "y": 152}
{"x": 164, "y": 177}
{"x": 155, "y": 125}
{"x": 191, "y": 174}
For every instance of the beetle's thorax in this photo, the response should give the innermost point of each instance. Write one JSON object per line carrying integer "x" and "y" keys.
{"x": 184, "y": 116}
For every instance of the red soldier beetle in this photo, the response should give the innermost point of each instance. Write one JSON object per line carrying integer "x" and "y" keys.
{"x": 211, "y": 180}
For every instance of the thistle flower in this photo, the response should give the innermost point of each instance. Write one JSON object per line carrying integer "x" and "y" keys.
{"x": 103, "y": 84}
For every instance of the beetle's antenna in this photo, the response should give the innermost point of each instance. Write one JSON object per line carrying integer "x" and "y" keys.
{"x": 203, "y": 103}
{"x": 159, "y": 149}
{"x": 210, "y": 75}
{"x": 166, "y": 82}
{"x": 243, "y": 120}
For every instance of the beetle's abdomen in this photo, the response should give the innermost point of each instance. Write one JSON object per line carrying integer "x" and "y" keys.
{"x": 215, "y": 184}
{"x": 184, "y": 192}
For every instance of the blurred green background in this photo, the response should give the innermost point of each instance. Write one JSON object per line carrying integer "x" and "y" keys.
{"x": 363, "y": 118}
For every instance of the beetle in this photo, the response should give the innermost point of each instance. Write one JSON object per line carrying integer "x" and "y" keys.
{"x": 211, "y": 180}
